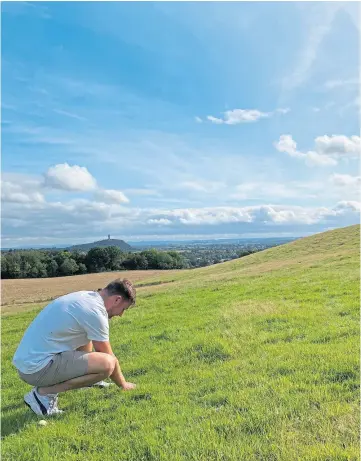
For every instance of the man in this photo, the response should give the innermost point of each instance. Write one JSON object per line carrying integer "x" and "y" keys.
{"x": 56, "y": 353}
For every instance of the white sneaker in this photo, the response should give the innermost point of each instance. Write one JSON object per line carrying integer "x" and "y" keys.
{"x": 43, "y": 405}
{"x": 102, "y": 384}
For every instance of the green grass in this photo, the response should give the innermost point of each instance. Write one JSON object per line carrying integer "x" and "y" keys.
{"x": 255, "y": 359}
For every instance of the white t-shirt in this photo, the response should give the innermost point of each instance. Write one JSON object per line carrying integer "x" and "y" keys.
{"x": 65, "y": 324}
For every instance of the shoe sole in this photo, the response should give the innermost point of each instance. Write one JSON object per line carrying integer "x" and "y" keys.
{"x": 37, "y": 407}
{"x": 41, "y": 414}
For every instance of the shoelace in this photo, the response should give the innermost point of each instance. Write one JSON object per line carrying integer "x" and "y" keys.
{"x": 53, "y": 405}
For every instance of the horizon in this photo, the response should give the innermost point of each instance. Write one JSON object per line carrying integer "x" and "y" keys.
{"x": 138, "y": 242}
{"x": 160, "y": 241}
{"x": 170, "y": 121}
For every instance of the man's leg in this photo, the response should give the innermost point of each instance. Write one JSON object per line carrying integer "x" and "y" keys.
{"x": 100, "y": 384}
{"x": 100, "y": 366}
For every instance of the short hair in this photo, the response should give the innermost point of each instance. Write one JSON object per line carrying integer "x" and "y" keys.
{"x": 123, "y": 288}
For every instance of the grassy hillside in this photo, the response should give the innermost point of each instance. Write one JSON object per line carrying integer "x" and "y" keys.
{"x": 255, "y": 359}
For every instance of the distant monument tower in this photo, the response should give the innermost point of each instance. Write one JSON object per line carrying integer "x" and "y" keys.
{"x": 108, "y": 236}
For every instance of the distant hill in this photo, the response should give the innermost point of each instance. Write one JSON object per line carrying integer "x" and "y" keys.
{"x": 102, "y": 243}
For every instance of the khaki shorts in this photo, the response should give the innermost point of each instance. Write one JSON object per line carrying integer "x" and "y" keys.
{"x": 62, "y": 367}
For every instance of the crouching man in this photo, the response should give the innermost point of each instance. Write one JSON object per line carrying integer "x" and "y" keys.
{"x": 56, "y": 352}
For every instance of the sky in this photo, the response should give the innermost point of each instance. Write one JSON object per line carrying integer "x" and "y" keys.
{"x": 178, "y": 120}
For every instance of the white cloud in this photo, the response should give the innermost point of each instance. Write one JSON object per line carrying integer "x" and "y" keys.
{"x": 162, "y": 221}
{"x": 265, "y": 214}
{"x": 111, "y": 196}
{"x": 68, "y": 221}
{"x": 208, "y": 216}
{"x": 15, "y": 193}
{"x": 198, "y": 119}
{"x": 345, "y": 180}
{"x": 287, "y": 144}
{"x": 27, "y": 189}
{"x": 236, "y": 116}
{"x": 346, "y": 183}
{"x": 316, "y": 159}
{"x": 348, "y": 206}
{"x": 278, "y": 215}
{"x": 338, "y": 145}
{"x": 70, "y": 178}
{"x": 26, "y": 181}
{"x": 328, "y": 149}
{"x": 215, "y": 120}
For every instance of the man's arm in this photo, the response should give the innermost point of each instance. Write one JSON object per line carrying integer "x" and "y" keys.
{"x": 117, "y": 376}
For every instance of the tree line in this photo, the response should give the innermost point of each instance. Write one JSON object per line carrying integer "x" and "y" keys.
{"x": 45, "y": 263}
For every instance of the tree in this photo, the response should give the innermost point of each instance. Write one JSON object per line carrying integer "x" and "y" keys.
{"x": 38, "y": 269}
{"x": 116, "y": 257}
{"x": 62, "y": 256}
{"x": 135, "y": 262}
{"x": 52, "y": 268}
{"x": 32, "y": 263}
{"x": 26, "y": 268}
{"x": 152, "y": 258}
{"x": 82, "y": 268}
{"x": 4, "y": 267}
{"x": 97, "y": 260}
{"x": 164, "y": 261}
{"x": 142, "y": 262}
{"x": 79, "y": 256}
{"x": 68, "y": 267}
{"x": 42, "y": 270}
{"x": 13, "y": 265}
{"x": 179, "y": 261}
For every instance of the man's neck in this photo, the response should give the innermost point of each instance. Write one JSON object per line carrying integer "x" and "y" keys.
{"x": 103, "y": 294}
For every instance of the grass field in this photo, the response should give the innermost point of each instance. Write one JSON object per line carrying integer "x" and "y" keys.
{"x": 15, "y": 293}
{"x": 254, "y": 359}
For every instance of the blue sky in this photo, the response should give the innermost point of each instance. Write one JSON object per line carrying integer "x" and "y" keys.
{"x": 178, "y": 120}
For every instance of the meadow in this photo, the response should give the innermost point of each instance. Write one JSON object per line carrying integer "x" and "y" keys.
{"x": 20, "y": 292}
{"x": 253, "y": 359}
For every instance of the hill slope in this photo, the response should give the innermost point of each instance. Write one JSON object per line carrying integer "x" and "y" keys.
{"x": 254, "y": 359}
{"x": 102, "y": 243}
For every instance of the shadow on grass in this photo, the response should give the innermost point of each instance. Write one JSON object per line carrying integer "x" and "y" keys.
{"x": 137, "y": 372}
{"x": 140, "y": 397}
{"x": 208, "y": 353}
{"x": 11, "y": 407}
{"x": 13, "y": 423}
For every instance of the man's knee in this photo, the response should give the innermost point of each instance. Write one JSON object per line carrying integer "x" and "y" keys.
{"x": 99, "y": 362}
{"x": 109, "y": 364}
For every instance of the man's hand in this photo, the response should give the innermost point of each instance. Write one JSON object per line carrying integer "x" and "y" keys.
{"x": 128, "y": 386}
